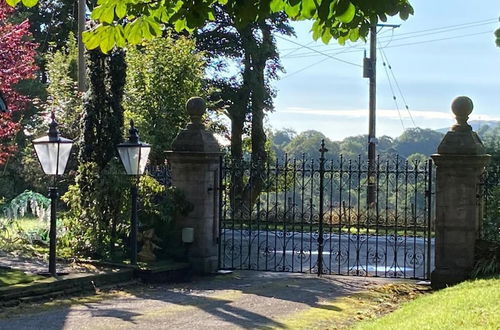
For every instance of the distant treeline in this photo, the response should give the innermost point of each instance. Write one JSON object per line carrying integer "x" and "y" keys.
{"x": 414, "y": 143}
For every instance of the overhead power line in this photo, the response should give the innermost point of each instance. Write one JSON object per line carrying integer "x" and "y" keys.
{"x": 319, "y": 52}
{"x": 392, "y": 91}
{"x": 315, "y": 63}
{"x": 385, "y": 61}
{"x": 453, "y": 27}
{"x": 440, "y": 39}
{"x": 312, "y": 54}
{"x": 434, "y": 30}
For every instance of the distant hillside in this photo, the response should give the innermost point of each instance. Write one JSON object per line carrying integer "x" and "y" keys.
{"x": 476, "y": 125}
{"x": 422, "y": 142}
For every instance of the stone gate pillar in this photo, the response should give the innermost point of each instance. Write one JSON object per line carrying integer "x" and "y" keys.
{"x": 460, "y": 161}
{"x": 194, "y": 162}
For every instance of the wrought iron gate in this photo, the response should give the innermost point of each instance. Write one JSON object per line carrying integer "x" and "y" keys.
{"x": 307, "y": 215}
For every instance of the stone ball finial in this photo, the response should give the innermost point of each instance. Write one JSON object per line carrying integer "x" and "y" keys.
{"x": 195, "y": 108}
{"x": 462, "y": 107}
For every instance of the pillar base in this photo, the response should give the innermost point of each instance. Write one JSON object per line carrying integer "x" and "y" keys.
{"x": 204, "y": 265}
{"x": 442, "y": 278}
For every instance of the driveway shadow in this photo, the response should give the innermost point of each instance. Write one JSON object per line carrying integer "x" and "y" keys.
{"x": 245, "y": 299}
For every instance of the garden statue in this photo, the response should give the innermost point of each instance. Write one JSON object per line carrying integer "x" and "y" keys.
{"x": 148, "y": 237}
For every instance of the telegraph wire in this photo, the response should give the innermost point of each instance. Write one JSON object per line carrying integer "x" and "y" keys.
{"x": 315, "y": 63}
{"x": 441, "y": 39}
{"x": 293, "y": 50}
{"x": 429, "y": 33}
{"x": 309, "y": 54}
{"x": 435, "y": 30}
{"x": 305, "y": 68}
{"x": 453, "y": 27}
{"x": 320, "y": 52}
{"x": 392, "y": 91}
{"x": 386, "y": 60}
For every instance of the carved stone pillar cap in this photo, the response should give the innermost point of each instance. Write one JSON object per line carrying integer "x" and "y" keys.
{"x": 462, "y": 107}
{"x": 461, "y": 139}
{"x": 195, "y": 138}
{"x": 195, "y": 107}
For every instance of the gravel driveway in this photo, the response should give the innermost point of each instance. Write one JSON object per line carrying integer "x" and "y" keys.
{"x": 241, "y": 300}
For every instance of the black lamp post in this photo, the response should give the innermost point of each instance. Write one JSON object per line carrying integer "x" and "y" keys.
{"x": 53, "y": 153}
{"x": 134, "y": 156}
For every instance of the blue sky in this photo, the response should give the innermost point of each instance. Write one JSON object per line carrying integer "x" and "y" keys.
{"x": 324, "y": 94}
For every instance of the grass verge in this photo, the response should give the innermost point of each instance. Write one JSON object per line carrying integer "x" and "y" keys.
{"x": 12, "y": 276}
{"x": 343, "y": 312}
{"x": 469, "y": 305}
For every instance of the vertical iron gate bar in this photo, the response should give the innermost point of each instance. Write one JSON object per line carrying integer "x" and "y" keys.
{"x": 386, "y": 222}
{"x": 416, "y": 174}
{"x": 429, "y": 218}
{"x": 368, "y": 211}
{"x": 358, "y": 215}
{"x": 268, "y": 172}
{"x": 406, "y": 219}
{"x": 250, "y": 208}
{"x": 396, "y": 217}
{"x": 341, "y": 214}
{"x": 276, "y": 180}
{"x": 258, "y": 233}
{"x": 331, "y": 213}
{"x": 349, "y": 199}
{"x": 293, "y": 211}
{"x": 302, "y": 213}
{"x": 285, "y": 210}
{"x": 311, "y": 215}
{"x": 221, "y": 217}
{"x": 425, "y": 230}
{"x": 321, "y": 205}
{"x": 377, "y": 215}
{"x": 233, "y": 211}
{"x": 241, "y": 211}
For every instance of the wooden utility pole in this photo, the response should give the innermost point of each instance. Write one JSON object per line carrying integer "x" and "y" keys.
{"x": 372, "y": 75}
{"x": 82, "y": 9}
{"x": 370, "y": 71}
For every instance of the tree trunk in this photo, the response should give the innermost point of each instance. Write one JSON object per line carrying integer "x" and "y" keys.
{"x": 259, "y": 55}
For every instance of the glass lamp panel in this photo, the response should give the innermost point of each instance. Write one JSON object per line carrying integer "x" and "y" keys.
{"x": 47, "y": 155}
{"x": 145, "y": 149}
{"x": 64, "y": 152}
{"x": 130, "y": 158}
{"x": 53, "y": 154}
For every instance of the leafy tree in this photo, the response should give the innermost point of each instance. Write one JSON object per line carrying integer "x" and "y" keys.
{"x": 417, "y": 139}
{"x": 354, "y": 146}
{"x": 161, "y": 77}
{"x": 96, "y": 199}
{"x": 283, "y": 137}
{"x": 62, "y": 90}
{"x": 131, "y": 21}
{"x": 279, "y": 139}
{"x": 308, "y": 144}
{"x": 491, "y": 139}
{"x": 51, "y": 22}
{"x": 102, "y": 118}
{"x": 246, "y": 96}
{"x": 17, "y": 63}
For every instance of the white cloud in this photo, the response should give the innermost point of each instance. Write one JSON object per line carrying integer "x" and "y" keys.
{"x": 383, "y": 113}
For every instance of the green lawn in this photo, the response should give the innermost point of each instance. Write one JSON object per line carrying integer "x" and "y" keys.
{"x": 470, "y": 305}
{"x": 11, "y": 277}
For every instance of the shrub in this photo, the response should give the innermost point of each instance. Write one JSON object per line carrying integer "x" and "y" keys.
{"x": 98, "y": 223}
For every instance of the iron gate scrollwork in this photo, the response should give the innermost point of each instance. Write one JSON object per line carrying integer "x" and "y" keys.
{"x": 312, "y": 216}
